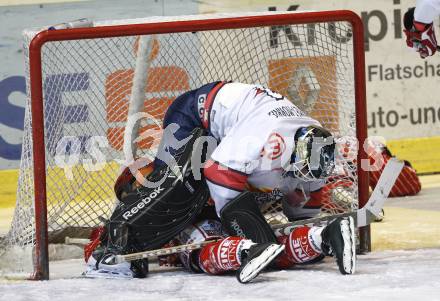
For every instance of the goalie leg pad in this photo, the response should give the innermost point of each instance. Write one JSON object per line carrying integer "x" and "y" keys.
{"x": 242, "y": 217}
{"x": 150, "y": 217}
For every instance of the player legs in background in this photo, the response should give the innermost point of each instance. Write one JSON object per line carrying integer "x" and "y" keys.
{"x": 419, "y": 27}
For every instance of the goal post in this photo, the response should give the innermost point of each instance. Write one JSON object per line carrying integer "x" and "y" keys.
{"x": 144, "y": 53}
{"x": 81, "y": 81}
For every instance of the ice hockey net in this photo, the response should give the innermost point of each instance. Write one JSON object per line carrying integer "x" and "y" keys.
{"x": 82, "y": 83}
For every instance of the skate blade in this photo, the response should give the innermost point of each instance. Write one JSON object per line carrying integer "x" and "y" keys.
{"x": 349, "y": 254}
{"x": 254, "y": 267}
{"x": 106, "y": 274}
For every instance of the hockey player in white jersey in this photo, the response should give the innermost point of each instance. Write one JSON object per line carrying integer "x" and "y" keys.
{"x": 419, "y": 27}
{"x": 264, "y": 142}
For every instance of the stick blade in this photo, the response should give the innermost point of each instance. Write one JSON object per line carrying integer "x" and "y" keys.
{"x": 384, "y": 185}
{"x": 373, "y": 207}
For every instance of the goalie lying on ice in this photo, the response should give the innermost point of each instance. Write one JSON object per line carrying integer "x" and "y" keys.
{"x": 265, "y": 143}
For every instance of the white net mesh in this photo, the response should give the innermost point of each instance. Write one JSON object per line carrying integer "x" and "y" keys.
{"x": 87, "y": 85}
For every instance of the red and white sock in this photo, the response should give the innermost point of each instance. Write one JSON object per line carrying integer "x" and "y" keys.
{"x": 302, "y": 245}
{"x": 223, "y": 255}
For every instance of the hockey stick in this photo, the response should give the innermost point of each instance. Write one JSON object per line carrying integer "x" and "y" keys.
{"x": 161, "y": 252}
{"x": 364, "y": 216}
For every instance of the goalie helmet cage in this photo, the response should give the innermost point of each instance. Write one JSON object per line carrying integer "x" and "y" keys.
{"x": 80, "y": 81}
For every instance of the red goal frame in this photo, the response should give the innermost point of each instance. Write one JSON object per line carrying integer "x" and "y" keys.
{"x": 41, "y": 260}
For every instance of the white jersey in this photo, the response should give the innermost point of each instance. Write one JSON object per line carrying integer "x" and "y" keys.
{"x": 255, "y": 128}
{"x": 426, "y": 11}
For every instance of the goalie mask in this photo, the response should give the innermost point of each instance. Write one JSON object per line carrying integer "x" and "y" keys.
{"x": 313, "y": 156}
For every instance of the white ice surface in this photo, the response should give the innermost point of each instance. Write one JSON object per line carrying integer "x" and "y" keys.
{"x": 390, "y": 275}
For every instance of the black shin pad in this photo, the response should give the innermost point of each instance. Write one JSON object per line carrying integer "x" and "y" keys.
{"x": 242, "y": 217}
